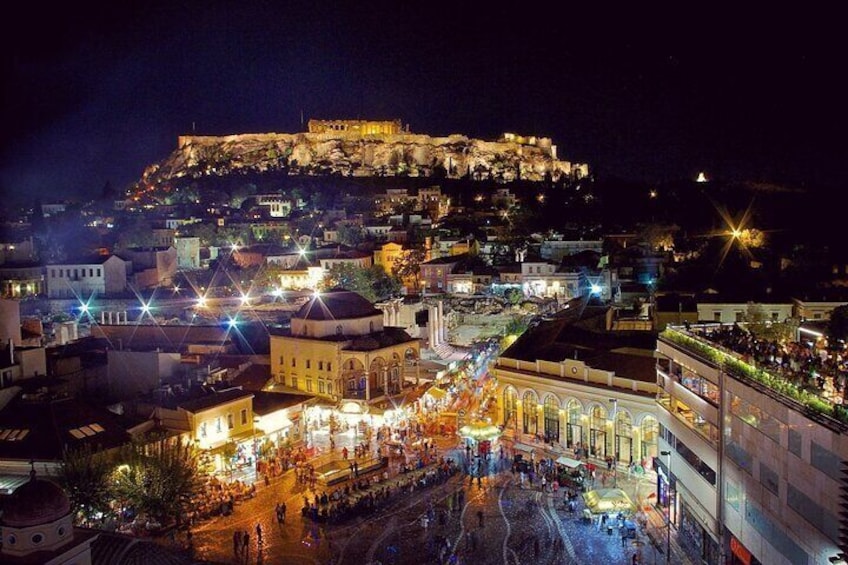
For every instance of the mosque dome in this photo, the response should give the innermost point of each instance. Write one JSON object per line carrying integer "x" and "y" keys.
{"x": 38, "y": 501}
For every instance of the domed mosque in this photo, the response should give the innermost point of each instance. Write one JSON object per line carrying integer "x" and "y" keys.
{"x": 36, "y": 526}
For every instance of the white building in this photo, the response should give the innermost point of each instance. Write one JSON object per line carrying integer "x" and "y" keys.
{"x": 99, "y": 275}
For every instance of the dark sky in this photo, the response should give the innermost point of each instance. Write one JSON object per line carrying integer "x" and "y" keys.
{"x": 95, "y": 93}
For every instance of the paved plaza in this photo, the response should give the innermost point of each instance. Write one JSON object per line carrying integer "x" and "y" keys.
{"x": 497, "y": 522}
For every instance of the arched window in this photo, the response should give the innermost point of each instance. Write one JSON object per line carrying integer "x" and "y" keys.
{"x": 551, "y": 419}
{"x": 598, "y": 431}
{"x": 531, "y": 416}
{"x": 623, "y": 437}
{"x": 574, "y": 431}
{"x": 510, "y": 407}
{"x": 650, "y": 430}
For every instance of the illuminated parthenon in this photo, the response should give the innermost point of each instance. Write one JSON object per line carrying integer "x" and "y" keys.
{"x": 360, "y": 127}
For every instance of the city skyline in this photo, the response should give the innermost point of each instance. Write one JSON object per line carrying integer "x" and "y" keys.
{"x": 95, "y": 94}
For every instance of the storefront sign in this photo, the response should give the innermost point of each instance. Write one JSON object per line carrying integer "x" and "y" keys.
{"x": 740, "y": 551}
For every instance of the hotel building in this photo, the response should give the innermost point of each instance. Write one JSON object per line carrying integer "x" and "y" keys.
{"x": 752, "y": 469}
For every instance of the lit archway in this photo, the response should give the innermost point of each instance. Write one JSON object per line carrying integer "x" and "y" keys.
{"x": 530, "y": 419}
{"x": 598, "y": 431}
{"x": 574, "y": 419}
{"x": 650, "y": 431}
{"x": 623, "y": 437}
{"x": 510, "y": 413}
{"x": 551, "y": 413}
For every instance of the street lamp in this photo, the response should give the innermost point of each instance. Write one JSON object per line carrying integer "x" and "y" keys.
{"x": 668, "y": 510}
{"x": 614, "y": 402}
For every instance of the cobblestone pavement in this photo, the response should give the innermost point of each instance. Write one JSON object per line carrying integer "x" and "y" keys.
{"x": 519, "y": 525}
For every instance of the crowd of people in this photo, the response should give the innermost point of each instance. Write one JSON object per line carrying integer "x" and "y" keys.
{"x": 364, "y": 496}
{"x": 804, "y": 363}
{"x": 218, "y": 497}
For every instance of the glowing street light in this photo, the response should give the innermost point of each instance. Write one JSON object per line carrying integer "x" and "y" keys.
{"x": 201, "y": 301}
{"x": 245, "y": 299}
{"x": 596, "y": 289}
{"x": 145, "y": 307}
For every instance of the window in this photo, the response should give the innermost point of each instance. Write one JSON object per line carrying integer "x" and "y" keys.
{"x": 294, "y": 382}
{"x": 53, "y": 273}
{"x": 769, "y": 479}
{"x": 329, "y": 366}
{"x": 281, "y": 360}
{"x": 37, "y": 538}
{"x": 740, "y": 316}
{"x": 244, "y": 416}
{"x": 308, "y": 364}
{"x": 320, "y": 365}
{"x": 230, "y": 424}
{"x": 329, "y": 387}
{"x": 98, "y": 271}
{"x": 824, "y": 460}
{"x": 91, "y": 272}
{"x": 308, "y": 385}
{"x": 321, "y": 387}
{"x": 339, "y": 330}
{"x": 795, "y": 442}
{"x": 218, "y": 424}
{"x": 294, "y": 362}
{"x": 203, "y": 429}
{"x": 716, "y": 316}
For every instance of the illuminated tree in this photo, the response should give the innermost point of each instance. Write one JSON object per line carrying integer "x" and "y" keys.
{"x": 371, "y": 282}
{"x": 84, "y": 475}
{"x": 837, "y": 327}
{"x": 407, "y": 267}
{"x": 158, "y": 479}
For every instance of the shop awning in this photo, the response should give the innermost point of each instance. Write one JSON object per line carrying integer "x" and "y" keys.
{"x": 524, "y": 447}
{"x": 436, "y": 392}
{"x": 568, "y": 462}
{"x": 608, "y": 500}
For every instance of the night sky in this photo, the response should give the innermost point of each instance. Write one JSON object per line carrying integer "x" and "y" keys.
{"x": 94, "y": 94}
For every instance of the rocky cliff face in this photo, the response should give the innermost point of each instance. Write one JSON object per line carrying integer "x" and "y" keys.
{"x": 337, "y": 153}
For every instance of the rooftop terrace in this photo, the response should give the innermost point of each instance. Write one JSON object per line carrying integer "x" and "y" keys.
{"x": 784, "y": 370}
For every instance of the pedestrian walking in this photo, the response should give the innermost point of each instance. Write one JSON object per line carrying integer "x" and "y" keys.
{"x": 236, "y": 542}
{"x": 245, "y": 544}
{"x": 259, "y": 534}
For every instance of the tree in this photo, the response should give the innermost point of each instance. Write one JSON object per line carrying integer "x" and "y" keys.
{"x": 84, "y": 474}
{"x": 158, "y": 479}
{"x": 837, "y": 327}
{"x": 371, "y": 282}
{"x": 407, "y": 266}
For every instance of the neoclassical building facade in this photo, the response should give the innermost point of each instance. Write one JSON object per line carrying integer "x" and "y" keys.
{"x": 570, "y": 382}
{"x": 339, "y": 348}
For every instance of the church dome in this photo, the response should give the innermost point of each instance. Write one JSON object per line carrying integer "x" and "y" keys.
{"x": 38, "y": 501}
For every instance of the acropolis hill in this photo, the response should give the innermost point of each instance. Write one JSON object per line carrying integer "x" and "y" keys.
{"x": 364, "y": 148}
